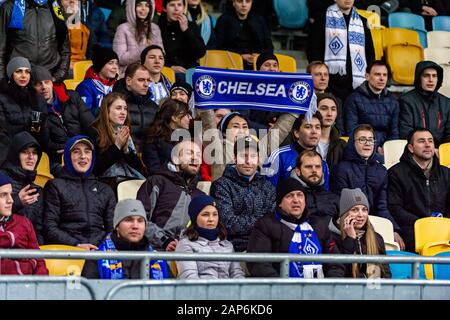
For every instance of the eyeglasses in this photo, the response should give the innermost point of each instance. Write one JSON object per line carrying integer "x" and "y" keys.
{"x": 364, "y": 140}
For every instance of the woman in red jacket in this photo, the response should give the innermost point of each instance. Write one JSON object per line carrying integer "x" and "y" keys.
{"x": 16, "y": 232}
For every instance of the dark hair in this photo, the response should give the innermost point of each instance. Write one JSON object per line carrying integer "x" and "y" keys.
{"x": 306, "y": 153}
{"x": 314, "y": 64}
{"x": 149, "y": 48}
{"x": 166, "y": 2}
{"x": 364, "y": 127}
{"x": 414, "y": 131}
{"x": 378, "y": 63}
{"x": 299, "y": 121}
{"x": 144, "y": 27}
{"x": 193, "y": 235}
{"x": 132, "y": 68}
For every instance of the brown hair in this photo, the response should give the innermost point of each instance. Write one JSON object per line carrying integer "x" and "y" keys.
{"x": 306, "y": 153}
{"x": 193, "y": 235}
{"x": 103, "y": 125}
{"x": 133, "y": 68}
{"x": 364, "y": 127}
{"x": 315, "y": 64}
{"x": 144, "y": 28}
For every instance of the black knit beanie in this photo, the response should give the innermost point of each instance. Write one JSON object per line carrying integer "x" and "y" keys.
{"x": 102, "y": 56}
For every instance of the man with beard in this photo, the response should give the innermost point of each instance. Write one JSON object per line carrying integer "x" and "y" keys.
{"x": 309, "y": 171}
{"x": 166, "y": 195}
{"x": 418, "y": 186}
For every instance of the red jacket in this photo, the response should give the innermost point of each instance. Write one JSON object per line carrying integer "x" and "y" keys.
{"x": 18, "y": 233}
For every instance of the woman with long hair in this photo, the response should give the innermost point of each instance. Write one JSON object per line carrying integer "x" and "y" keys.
{"x": 137, "y": 33}
{"x": 117, "y": 159}
{"x": 352, "y": 233}
{"x": 173, "y": 115}
{"x": 196, "y": 11}
{"x": 206, "y": 234}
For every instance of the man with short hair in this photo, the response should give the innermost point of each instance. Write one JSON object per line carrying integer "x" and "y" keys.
{"x": 424, "y": 106}
{"x": 309, "y": 171}
{"x": 371, "y": 103}
{"x": 243, "y": 195}
{"x": 166, "y": 195}
{"x": 418, "y": 185}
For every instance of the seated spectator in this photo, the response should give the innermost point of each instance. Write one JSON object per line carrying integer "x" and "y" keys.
{"x": 242, "y": 194}
{"x": 141, "y": 107}
{"x": 418, "y": 185}
{"x": 21, "y": 109}
{"x": 117, "y": 16}
{"x": 267, "y": 61}
{"x": 424, "y": 106}
{"x": 153, "y": 58}
{"x": 206, "y": 234}
{"x": 181, "y": 91}
{"x": 16, "y": 232}
{"x": 137, "y": 33}
{"x": 167, "y": 193}
{"x": 428, "y": 9}
{"x": 68, "y": 116}
{"x": 78, "y": 209}
{"x": 244, "y": 32}
{"x": 371, "y": 103}
{"x": 289, "y": 229}
{"x": 116, "y": 156}
{"x": 309, "y": 171}
{"x": 4, "y": 144}
{"x": 360, "y": 168}
{"x": 99, "y": 79}
{"x": 33, "y": 30}
{"x": 94, "y": 18}
{"x": 181, "y": 38}
{"x": 352, "y": 233}
{"x": 347, "y": 57}
{"x": 157, "y": 150}
{"x": 20, "y": 167}
{"x": 196, "y": 11}
{"x": 331, "y": 146}
{"x": 307, "y": 136}
{"x": 129, "y": 225}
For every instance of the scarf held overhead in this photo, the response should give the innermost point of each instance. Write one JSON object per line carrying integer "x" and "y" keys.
{"x": 237, "y": 89}
{"x": 18, "y": 13}
{"x": 336, "y": 40}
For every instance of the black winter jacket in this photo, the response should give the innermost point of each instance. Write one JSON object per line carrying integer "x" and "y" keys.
{"x": 157, "y": 154}
{"x": 44, "y": 40}
{"x": 412, "y": 196}
{"x": 335, "y": 149}
{"x": 77, "y": 210}
{"x": 419, "y": 109}
{"x": 241, "y": 203}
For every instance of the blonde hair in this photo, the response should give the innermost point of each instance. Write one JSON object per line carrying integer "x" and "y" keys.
{"x": 203, "y": 12}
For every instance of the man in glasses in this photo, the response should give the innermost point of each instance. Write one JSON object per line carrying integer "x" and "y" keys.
{"x": 360, "y": 168}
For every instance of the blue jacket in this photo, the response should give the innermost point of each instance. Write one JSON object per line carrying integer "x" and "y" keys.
{"x": 91, "y": 95}
{"x": 368, "y": 175}
{"x": 281, "y": 161}
{"x": 380, "y": 111}
{"x": 241, "y": 203}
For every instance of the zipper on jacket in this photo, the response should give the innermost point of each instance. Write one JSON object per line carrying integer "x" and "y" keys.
{"x": 427, "y": 182}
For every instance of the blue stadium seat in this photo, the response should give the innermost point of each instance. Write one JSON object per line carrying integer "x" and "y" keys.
{"x": 441, "y": 271}
{"x": 441, "y": 23}
{"x": 106, "y": 12}
{"x": 291, "y": 14}
{"x": 409, "y": 21}
{"x": 403, "y": 270}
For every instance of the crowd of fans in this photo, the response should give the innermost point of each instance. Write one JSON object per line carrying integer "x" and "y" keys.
{"x": 299, "y": 189}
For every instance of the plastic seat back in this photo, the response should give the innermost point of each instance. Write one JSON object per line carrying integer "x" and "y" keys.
{"x": 441, "y": 23}
{"x": 43, "y": 171}
{"x": 385, "y": 229}
{"x": 63, "y": 267}
{"x": 71, "y": 84}
{"x": 393, "y": 150}
{"x": 80, "y": 68}
{"x": 403, "y": 60}
{"x": 404, "y": 270}
{"x": 222, "y": 59}
{"x": 128, "y": 189}
{"x": 444, "y": 154}
{"x": 438, "y": 55}
{"x": 393, "y": 36}
{"x": 409, "y": 21}
{"x": 204, "y": 186}
{"x": 291, "y": 14}
{"x": 438, "y": 39}
{"x": 169, "y": 73}
{"x": 445, "y": 90}
{"x": 285, "y": 62}
{"x": 431, "y": 230}
{"x": 441, "y": 271}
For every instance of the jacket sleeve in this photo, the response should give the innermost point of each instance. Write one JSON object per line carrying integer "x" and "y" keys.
{"x": 338, "y": 180}
{"x": 197, "y": 47}
{"x": 347, "y": 246}
{"x": 39, "y": 264}
{"x": 267, "y": 45}
{"x": 350, "y": 114}
{"x": 86, "y": 95}
{"x": 63, "y": 68}
{"x": 52, "y": 233}
{"x": 127, "y": 54}
{"x": 186, "y": 269}
{"x": 108, "y": 215}
{"x": 85, "y": 116}
{"x": 220, "y": 32}
{"x": 260, "y": 242}
{"x": 272, "y": 167}
{"x": 150, "y": 157}
{"x": 106, "y": 159}
{"x": 235, "y": 269}
{"x": 406, "y": 120}
{"x": 381, "y": 203}
{"x": 393, "y": 126}
{"x": 316, "y": 40}
{"x": 4, "y": 18}
{"x": 90, "y": 270}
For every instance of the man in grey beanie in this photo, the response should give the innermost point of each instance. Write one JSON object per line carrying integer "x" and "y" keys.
{"x": 130, "y": 222}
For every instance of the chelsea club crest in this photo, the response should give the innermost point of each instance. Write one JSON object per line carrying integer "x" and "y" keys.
{"x": 299, "y": 92}
{"x": 205, "y": 86}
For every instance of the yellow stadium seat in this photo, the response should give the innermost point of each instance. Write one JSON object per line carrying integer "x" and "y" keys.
{"x": 432, "y": 236}
{"x": 80, "y": 68}
{"x": 222, "y": 59}
{"x": 372, "y": 17}
{"x": 128, "y": 189}
{"x": 71, "y": 84}
{"x": 438, "y": 39}
{"x": 375, "y": 27}
{"x": 393, "y": 36}
{"x": 169, "y": 73}
{"x": 385, "y": 229}
{"x": 286, "y": 63}
{"x": 444, "y": 154}
{"x": 345, "y": 138}
{"x": 402, "y": 59}
{"x": 377, "y": 38}
{"x": 439, "y": 55}
{"x": 393, "y": 150}
{"x": 204, "y": 186}
{"x": 63, "y": 267}
{"x": 43, "y": 171}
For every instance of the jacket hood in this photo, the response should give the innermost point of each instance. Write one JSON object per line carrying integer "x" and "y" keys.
{"x": 350, "y": 153}
{"x": 307, "y": 187}
{"x": 68, "y": 165}
{"x": 131, "y": 11}
{"x": 420, "y": 67}
{"x": 408, "y": 159}
{"x": 176, "y": 177}
{"x": 333, "y": 227}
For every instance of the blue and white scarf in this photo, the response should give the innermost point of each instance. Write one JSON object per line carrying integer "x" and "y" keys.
{"x": 336, "y": 44}
{"x": 304, "y": 241}
{"x": 113, "y": 269}
{"x": 18, "y": 13}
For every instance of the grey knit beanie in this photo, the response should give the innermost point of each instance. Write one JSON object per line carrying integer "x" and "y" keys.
{"x": 16, "y": 63}
{"x": 126, "y": 208}
{"x": 351, "y": 198}
{"x": 40, "y": 73}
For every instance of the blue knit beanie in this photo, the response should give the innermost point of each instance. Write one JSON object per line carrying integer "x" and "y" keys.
{"x": 4, "y": 179}
{"x": 198, "y": 203}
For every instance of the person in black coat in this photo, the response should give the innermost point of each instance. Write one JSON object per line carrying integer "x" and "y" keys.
{"x": 78, "y": 208}
{"x": 244, "y": 32}
{"x": 418, "y": 185}
{"x": 23, "y": 159}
